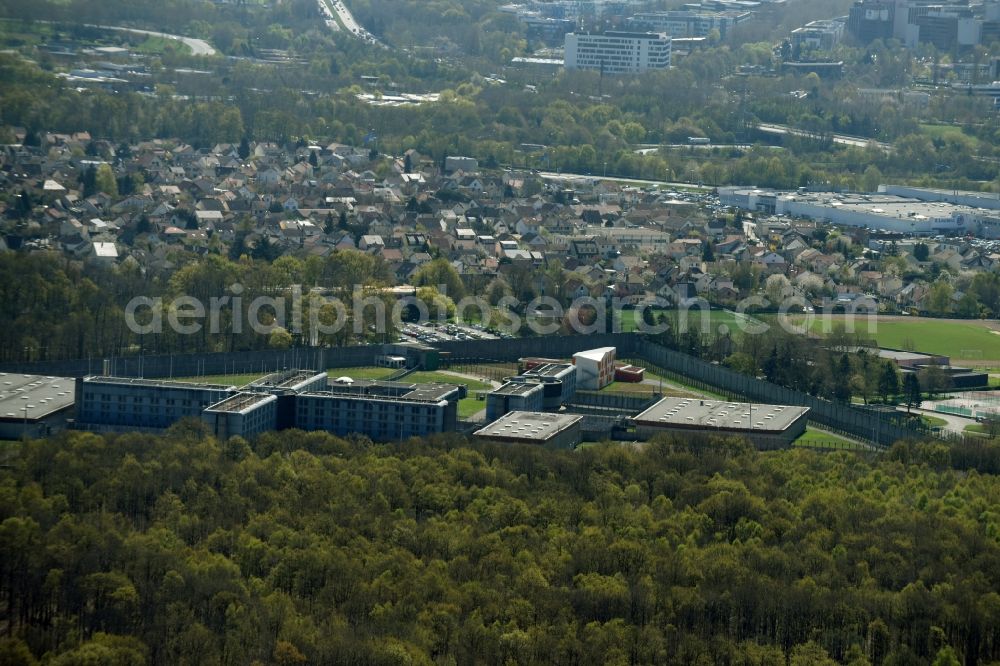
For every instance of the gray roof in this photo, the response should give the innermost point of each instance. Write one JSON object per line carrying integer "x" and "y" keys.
{"x": 528, "y": 426}
{"x": 517, "y": 388}
{"x": 715, "y": 415}
{"x": 241, "y": 403}
{"x": 34, "y": 397}
{"x": 552, "y": 370}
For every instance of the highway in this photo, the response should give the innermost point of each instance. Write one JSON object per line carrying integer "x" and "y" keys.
{"x": 346, "y": 19}
{"x": 552, "y": 175}
{"x": 858, "y": 142}
{"x": 199, "y": 47}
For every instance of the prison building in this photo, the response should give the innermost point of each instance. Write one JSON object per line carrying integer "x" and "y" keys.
{"x": 290, "y": 381}
{"x": 116, "y": 403}
{"x": 244, "y": 415}
{"x": 34, "y": 405}
{"x": 380, "y": 412}
{"x": 558, "y": 380}
{"x": 595, "y": 368}
{"x": 559, "y": 431}
{"x": 524, "y": 395}
{"x": 766, "y": 426}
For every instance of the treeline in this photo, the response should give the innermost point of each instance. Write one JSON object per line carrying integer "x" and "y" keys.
{"x": 307, "y": 548}
{"x": 585, "y": 133}
{"x": 52, "y": 308}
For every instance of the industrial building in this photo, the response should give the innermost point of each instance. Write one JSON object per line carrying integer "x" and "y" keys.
{"x": 767, "y": 426}
{"x": 34, "y": 405}
{"x": 595, "y": 368}
{"x": 559, "y": 431}
{"x": 617, "y": 52}
{"x": 521, "y": 395}
{"x": 927, "y": 215}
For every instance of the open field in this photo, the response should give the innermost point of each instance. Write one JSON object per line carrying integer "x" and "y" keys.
{"x": 225, "y": 380}
{"x": 467, "y": 406}
{"x": 370, "y": 372}
{"x": 711, "y": 321}
{"x": 972, "y": 340}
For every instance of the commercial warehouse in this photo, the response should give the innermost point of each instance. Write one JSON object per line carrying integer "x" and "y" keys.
{"x": 767, "y": 426}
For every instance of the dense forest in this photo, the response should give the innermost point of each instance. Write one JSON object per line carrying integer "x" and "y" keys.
{"x": 305, "y": 548}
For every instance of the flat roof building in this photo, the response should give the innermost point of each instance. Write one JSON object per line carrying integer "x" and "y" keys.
{"x": 243, "y": 414}
{"x": 690, "y": 23}
{"x": 382, "y": 412}
{"x": 919, "y": 213}
{"x": 595, "y": 368}
{"x": 767, "y": 426}
{"x": 617, "y": 52}
{"x": 559, "y": 381}
{"x": 34, "y": 405}
{"x": 126, "y": 403}
{"x": 561, "y": 431}
{"x": 295, "y": 381}
{"x": 515, "y": 396}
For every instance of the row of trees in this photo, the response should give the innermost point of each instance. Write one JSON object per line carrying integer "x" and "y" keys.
{"x": 54, "y": 308}
{"x": 306, "y": 548}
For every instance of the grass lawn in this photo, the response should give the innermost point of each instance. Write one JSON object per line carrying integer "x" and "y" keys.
{"x": 467, "y": 406}
{"x": 226, "y": 380}
{"x": 968, "y": 340}
{"x": 361, "y": 373}
{"x": 815, "y": 439}
{"x": 933, "y": 421}
{"x": 714, "y": 319}
{"x": 158, "y": 45}
{"x": 629, "y": 387}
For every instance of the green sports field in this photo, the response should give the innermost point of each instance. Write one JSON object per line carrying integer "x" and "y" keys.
{"x": 965, "y": 340}
{"x": 713, "y": 320}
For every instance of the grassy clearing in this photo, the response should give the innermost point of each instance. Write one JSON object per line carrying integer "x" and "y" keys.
{"x": 160, "y": 45}
{"x": 812, "y": 438}
{"x": 370, "y": 372}
{"x": 933, "y": 421}
{"x": 970, "y": 340}
{"x": 947, "y": 131}
{"x": 711, "y": 321}
{"x": 467, "y": 406}
{"x": 226, "y": 380}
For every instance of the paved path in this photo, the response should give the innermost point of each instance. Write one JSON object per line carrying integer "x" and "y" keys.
{"x": 955, "y": 423}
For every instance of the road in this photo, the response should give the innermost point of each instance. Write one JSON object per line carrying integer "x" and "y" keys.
{"x": 552, "y": 175}
{"x": 348, "y": 21}
{"x": 199, "y": 47}
{"x": 955, "y": 423}
{"x": 858, "y": 142}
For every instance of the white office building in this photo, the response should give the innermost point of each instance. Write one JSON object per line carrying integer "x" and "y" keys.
{"x": 617, "y": 52}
